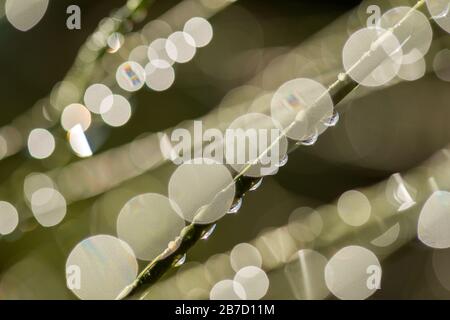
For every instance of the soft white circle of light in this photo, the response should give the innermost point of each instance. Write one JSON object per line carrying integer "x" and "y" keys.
{"x": 246, "y": 141}
{"x": 9, "y": 218}
{"x": 139, "y": 55}
{"x": 347, "y": 273}
{"x": 49, "y": 206}
{"x": 227, "y": 290}
{"x": 200, "y": 30}
{"x": 244, "y": 255}
{"x": 254, "y": 280}
{"x": 354, "y": 208}
{"x": 413, "y": 71}
{"x": 155, "y": 29}
{"x": 203, "y": 190}
{"x": 75, "y": 114}
{"x": 24, "y": 15}
{"x": 105, "y": 266}
{"x": 115, "y": 110}
{"x": 433, "y": 227}
{"x": 378, "y": 67}
{"x": 441, "y": 267}
{"x": 3, "y": 147}
{"x": 94, "y": 96}
{"x": 148, "y": 223}
{"x": 159, "y": 78}
{"x": 130, "y": 76}
{"x": 440, "y": 12}
{"x": 305, "y": 224}
{"x": 414, "y": 33}
{"x": 180, "y": 47}
{"x": 305, "y": 102}
{"x": 441, "y": 64}
{"x": 41, "y": 143}
{"x": 157, "y": 54}
{"x": 35, "y": 181}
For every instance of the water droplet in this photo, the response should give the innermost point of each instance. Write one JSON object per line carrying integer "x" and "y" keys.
{"x": 180, "y": 261}
{"x": 208, "y": 232}
{"x": 283, "y": 161}
{"x": 310, "y": 141}
{"x": 332, "y": 121}
{"x": 342, "y": 76}
{"x": 256, "y": 185}
{"x": 236, "y": 206}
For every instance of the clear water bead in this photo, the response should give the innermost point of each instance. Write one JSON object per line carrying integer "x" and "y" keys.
{"x": 310, "y": 141}
{"x": 332, "y": 121}
{"x": 180, "y": 261}
{"x": 283, "y": 161}
{"x": 209, "y": 232}
{"x": 256, "y": 185}
{"x": 236, "y": 206}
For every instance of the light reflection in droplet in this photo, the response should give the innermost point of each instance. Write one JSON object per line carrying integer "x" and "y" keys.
{"x": 236, "y": 206}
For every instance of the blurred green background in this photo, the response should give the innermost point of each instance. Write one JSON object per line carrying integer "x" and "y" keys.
{"x": 384, "y": 132}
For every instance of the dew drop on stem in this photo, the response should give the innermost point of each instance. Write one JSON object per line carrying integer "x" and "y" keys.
{"x": 236, "y": 206}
